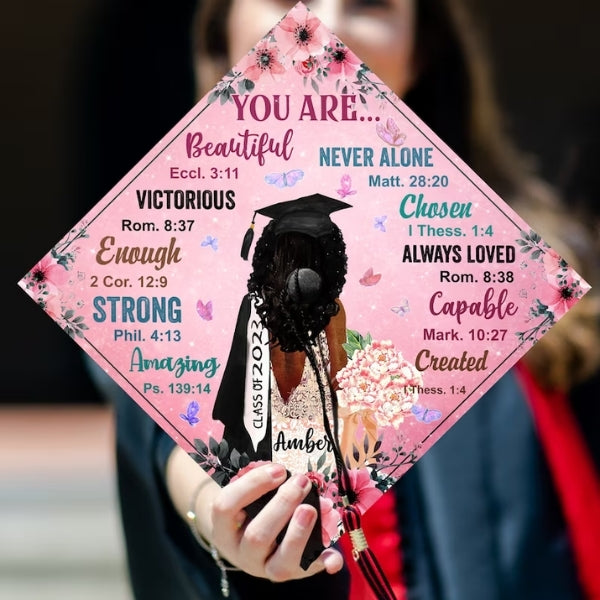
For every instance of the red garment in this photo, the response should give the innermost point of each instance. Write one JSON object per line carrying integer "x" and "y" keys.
{"x": 380, "y": 526}
{"x": 574, "y": 475}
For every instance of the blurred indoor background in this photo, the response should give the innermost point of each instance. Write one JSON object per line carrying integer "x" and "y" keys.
{"x": 59, "y": 532}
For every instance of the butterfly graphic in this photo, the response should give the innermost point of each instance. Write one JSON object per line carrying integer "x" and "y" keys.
{"x": 284, "y": 179}
{"x": 370, "y": 278}
{"x": 210, "y": 241}
{"x": 390, "y": 132}
{"x": 380, "y": 223}
{"x": 205, "y": 310}
{"x": 402, "y": 309}
{"x": 191, "y": 412}
{"x": 346, "y": 189}
{"x": 425, "y": 415}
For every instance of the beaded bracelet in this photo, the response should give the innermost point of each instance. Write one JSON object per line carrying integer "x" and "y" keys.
{"x": 203, "y": 542}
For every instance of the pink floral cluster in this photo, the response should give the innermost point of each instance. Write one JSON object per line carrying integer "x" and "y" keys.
{"x": 379, "y": 381}
{"x": 566, "y": 288}
{"x": 302, "y": 38}
{"x": 363, "y": 485}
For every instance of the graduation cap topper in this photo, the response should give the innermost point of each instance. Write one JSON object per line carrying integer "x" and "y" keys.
{"x": 149, "y": 282}
{"x": 308, "y": 215}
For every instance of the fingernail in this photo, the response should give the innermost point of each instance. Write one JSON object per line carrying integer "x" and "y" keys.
{"x": 276, "y": 471}
{"x": 305, "y": 516}
{"x": 300, "y": 480}
{"x": 332, "y": 561}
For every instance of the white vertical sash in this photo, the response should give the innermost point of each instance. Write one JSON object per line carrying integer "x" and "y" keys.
{"x": 258, "y": 374}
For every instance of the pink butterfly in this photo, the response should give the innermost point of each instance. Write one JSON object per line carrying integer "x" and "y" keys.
{"x": 390, "y": 132}
{"x": 205, "y": 311}
{"x": 369, "y": 278}
{"x": 282, "y": 180}
{"x": 346, "y": 183}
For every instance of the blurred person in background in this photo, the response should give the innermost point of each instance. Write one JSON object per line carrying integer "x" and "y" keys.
{"x": 502, "y": 506}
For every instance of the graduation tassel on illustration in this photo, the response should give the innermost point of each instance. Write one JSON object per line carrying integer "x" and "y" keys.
{"x": 247, "y": 241}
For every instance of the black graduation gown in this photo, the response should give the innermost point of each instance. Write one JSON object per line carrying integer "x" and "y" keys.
{"x": 479, "y": 517}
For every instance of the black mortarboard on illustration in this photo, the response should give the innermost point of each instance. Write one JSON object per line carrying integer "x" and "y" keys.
{"x": 308, "y": 215}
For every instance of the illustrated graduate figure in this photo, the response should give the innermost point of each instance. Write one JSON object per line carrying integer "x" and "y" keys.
{"x": 277, "y": 389}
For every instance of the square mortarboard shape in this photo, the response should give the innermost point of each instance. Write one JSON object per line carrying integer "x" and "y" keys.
{"x": 446, "y": 287}
{"x": 308, "y": 215}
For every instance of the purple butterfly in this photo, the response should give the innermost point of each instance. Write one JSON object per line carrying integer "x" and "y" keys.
{"x": 346, "y": 189}
{"x": 380, "y": 222}
{"x": 210, "y": 241}
{"x": 426, "y": 415}
{"x": 205, "y": 311}
{"x": 390, "y": 133}
{"x": 191, "y": 412}
{"x": 282, "y": 180}
{"x": 402, "y": 309}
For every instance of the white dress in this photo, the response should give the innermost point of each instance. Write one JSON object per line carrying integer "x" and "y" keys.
{"x": 298, "y": 432}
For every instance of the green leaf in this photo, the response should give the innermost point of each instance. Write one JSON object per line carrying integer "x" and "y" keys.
{"x": 244, "y": 460}
{"x": 213, "y": 446}
{"x": 350, "y": 349}
{"x": 321, "y": 461}
{"x": 223, "y": 450}
{"x": 234, "y": 459}
{"x": 352, "y": 336}
{"x": 201, "y": 446}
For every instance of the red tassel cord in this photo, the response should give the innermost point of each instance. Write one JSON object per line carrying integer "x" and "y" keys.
{"x": 364, "y": 556}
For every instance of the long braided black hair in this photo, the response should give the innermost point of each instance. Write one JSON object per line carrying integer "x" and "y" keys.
{"x": 293, "y": 324}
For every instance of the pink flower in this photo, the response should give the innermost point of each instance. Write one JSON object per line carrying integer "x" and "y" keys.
{"x": 364, "y": 488}
{"x": 566, "y": 291}
{"x": 318, "y": 479}
{"x": 302, "y": 36}
{"x": 307, "y": 67}
{"x": 263, "y": 59}
{"x": 330, "y": 521}
{"x": 341, "y": 60}
{"x": 48, "y": 272}
{"x": 552, "y": 263}
{"x": 53, "y": 307}
{"x": 378, "y": 381}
